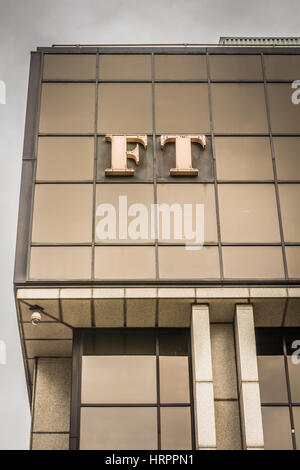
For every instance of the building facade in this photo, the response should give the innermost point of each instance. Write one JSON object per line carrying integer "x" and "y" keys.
{"x": 158, "y": 252}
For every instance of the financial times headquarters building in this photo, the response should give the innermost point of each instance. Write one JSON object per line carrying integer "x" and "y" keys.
{"x": 157, "y": 271}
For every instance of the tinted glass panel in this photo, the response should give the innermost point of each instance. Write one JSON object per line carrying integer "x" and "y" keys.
{"x": 174, "y": 379}
{"x": 62, "y": 213}
{"x": 125, "y": 67}
{"x": 121, "y": 262}
{"x": 294, "y": 375}
{"x": 248, "y": 213}
{"x": 235, "y": 67}
{"x": 187, "y": 194}
{"x": 173, "y": 344}
{"x": 175, "y": 262}
{"x": 118, "y": 428}
{"x": 180, "y": 67}
{"x": 287, "y": 155}
{"x": 293, "y": 261}
{"x": 125, "y": 108}
{"x": 239, "y": 108}
{"x": 292, "y": 338}
{"x": 296, "y": 415}
{"x": 118, "y": 343}
{"x": 269, "y": 341}
{"x": 277, "y": 428}
{"x": 67, "y": 108}
{"x": 253, "y": 262}
{"x": 289, "y": 200}
{"x": 181, "y": 108}
{"x": 138, "y": 225}
{"x": 243, "y": 158}
{"x": 59, "y": 263}
{"x": 69, "y": 66}
{"x": 65, "y": 158}
{"x": 118, "y": 379}
{"x": 272, "y": 380}
{"x": 176, "y": 428}
{"x": 284, "y": 114}
{"x": 282, "y": 67}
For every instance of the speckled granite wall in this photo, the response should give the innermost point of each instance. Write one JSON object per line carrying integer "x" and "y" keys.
{"x": 51, "y": 404}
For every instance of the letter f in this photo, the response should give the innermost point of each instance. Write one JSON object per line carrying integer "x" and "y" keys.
{"x": 119, "y": 153}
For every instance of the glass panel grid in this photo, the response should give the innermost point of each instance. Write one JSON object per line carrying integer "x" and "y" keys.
{"x": 279, "y": 376}
{"x": 169, "y": 413}
{"x": 283, "y": 173}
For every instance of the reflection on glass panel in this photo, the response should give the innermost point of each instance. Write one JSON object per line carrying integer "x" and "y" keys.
{"x": 62, "y": 213}
{"x": 293, "y": 261}
{"x": 176, "y": 262}
{"x": 284, "y": 114}
{"x": 253, "y": 262}
{"x": 176, "y": 428}
{"x": 125, "y": 67}
{"x": 125, "y": 262}
{"x": 139, "y": 228}
{"x": 277, "y": 428}
{"x": 188, "y": 194}
{"x": 173, "y": 344}
{"x": 294, "y": 375}
{"x": 118, "y": 343}
{"x": 174, "y": 379}
{"x": 269, "y": 341}
{"x": 180, "y": 67}
{"x": 248, "y": 213}
{"x": 235, "y": 67}
{"x": 289, "y": 195}
{"x": 282, "y": 67}
{"x": 239, "y": 108}
{"x": 65, "y": 158}
{"x": 243, "y": 158}
{"x": 125, "y": 108}
{"x": 287, "y": 155}
{"x": 272, "y": 380}
{"x": 181, "y": 108}
{"x": 69, "y": 67}
{"x": 118, "y": 379}
{"x": 67, "y": 108}
{"x": 117, "y": 428}
{"x": 60, "y": 262}
{"x": 296, "y": 416}
{"x": 292, "y": 335}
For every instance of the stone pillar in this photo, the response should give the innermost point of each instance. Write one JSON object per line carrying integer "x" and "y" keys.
{"x": 203, "y": 379}
{"x": 250, "y": 405}
{"x": 51, "y": 404}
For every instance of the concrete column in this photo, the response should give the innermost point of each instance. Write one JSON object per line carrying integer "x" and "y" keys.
{"x": 251, "y": 417}
{"x": 203, "y": 379}
{"x": 51, "y": 406}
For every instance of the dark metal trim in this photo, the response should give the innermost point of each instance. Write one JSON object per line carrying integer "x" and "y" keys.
{"x": 26, "y": 192}
{"x": 274, "y": 170}
{"x": 218, "y": 219}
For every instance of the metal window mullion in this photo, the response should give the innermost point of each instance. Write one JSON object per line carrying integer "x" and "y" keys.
{"x": 158, "y": 391}
{"x": 191, "y": 385}
{"x": 36, "y": 134}
{"x": 289, "y": 390}
{"x": 76, "y": 389}
{"x": 274, "y": 169}
{"x": 154, "y": 166}
{"x": 95, "y": 173}
{"x": 214, "y": 168}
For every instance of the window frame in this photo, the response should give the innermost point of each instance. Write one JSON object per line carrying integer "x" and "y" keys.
{"x": 290, "y": 404}
{"x": 79, "y": 334}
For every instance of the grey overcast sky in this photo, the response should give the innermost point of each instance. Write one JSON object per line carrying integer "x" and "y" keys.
{"x": 26, "y": 24}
